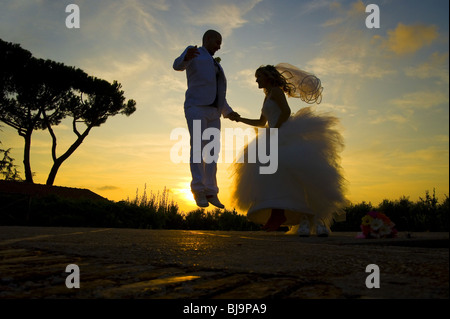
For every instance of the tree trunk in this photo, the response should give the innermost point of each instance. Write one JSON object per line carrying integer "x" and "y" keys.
{"x": 26, "y": 157}
{"x": 54, "y": 170}
{"x": 58, "y": 161}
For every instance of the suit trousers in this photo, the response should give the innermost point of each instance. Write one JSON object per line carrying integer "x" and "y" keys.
{"x": 200, "y": 118}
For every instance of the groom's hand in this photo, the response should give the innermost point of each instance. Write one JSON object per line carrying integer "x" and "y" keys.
{"x": 234, "y": 116}
{"x": 191, "y": 53}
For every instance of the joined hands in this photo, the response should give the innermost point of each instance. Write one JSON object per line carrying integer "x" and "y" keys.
{"x": 234, "y": 116}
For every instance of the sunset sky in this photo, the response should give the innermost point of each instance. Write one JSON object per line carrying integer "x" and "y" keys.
{"x": 388, "y": 85}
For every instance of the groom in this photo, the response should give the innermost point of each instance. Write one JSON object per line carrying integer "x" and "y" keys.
{"x": 205, "y": 102}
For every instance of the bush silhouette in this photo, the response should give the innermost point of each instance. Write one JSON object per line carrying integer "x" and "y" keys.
{"x": 156, "y": 211}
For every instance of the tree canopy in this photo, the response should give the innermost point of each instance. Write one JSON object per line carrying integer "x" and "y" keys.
{"x": 37, "y": 94}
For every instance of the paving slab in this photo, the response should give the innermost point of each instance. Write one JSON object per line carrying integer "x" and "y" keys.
{"x": 196, "y": 264}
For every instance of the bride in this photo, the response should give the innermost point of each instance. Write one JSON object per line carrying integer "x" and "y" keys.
{"x": 307, "y": 190}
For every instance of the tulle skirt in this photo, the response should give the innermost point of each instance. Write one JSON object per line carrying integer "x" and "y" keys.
{"x": 308, "y": 182}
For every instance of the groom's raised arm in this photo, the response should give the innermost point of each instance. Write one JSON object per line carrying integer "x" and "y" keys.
{"x": 180, "y": 63}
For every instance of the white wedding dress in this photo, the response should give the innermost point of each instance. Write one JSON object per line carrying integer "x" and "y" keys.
{"x": 309, "y": 180}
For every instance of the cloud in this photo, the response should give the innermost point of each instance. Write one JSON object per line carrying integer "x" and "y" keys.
{"x": 435, "y": 67}
{"x": 246, "y": 78}
{"x": 316, "y": 5}
{"x": 119, "y": 16}
{"x": 355, "y": 11}
{"x": 348, "y": 47}
{"x": 357, "y": 8}
{"x": 119, "y": 65}
{"x": 408, "y": 39}
{"x": 108, "y": 188}
{"x": 333, "y": 22}
{"x": 397, "y": 118}
{"x": 225, "y": 16}
{"x": 421, "y": 100}
{"x": 334, "y": 65}
{"x": 341, "y": 64}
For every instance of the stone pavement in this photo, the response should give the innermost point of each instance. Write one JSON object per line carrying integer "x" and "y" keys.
{"x": 178, "y": 264}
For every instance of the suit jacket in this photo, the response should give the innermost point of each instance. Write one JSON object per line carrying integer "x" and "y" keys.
{"x": 201, "y": 80}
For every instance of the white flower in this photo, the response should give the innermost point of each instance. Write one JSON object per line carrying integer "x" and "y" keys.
{"x": 376, "y": 224}
{"x": 385, "y": 230}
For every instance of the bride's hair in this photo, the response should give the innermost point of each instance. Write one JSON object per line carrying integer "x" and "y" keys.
{"x": 276, "y": 79}
{"x": 294, "y": 82}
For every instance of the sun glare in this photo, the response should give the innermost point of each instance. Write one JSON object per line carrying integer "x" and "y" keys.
{"x": 184, "y": 196}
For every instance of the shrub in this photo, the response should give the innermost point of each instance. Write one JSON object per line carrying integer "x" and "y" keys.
{"x": 427, "y": 214}
{"x": 156, "y": 211}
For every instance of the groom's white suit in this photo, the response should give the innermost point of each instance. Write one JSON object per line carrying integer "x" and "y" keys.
{"x": 203, "y": 84}
{"x": 205, "y": 101}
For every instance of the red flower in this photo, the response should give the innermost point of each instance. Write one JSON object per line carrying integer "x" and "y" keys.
{"x": 365, "y": 230}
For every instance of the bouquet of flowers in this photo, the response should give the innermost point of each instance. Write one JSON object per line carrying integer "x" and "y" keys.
{"x": 376, "y": 225}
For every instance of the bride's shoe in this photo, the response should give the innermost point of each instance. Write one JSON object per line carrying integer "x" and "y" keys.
{"x": 322, "y": 230}
{"x": 303, "y": 230}
{"x": 276, "y": 219}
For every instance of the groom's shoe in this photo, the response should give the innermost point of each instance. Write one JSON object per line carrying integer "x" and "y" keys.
{"x": 213, "y": 199}
{"x": 201, "y": 200}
